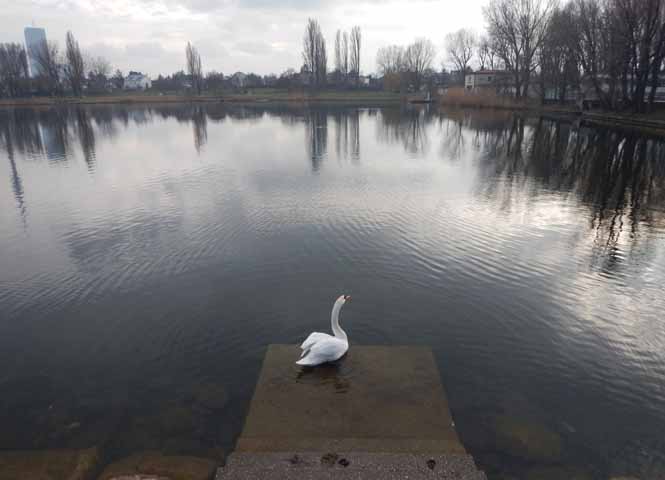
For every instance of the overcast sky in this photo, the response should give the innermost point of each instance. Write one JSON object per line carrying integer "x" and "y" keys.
{"x": 262, "y": 36}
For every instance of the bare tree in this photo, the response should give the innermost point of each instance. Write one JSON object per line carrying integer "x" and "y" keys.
{"x": 460, "y": 46}
{"x": 194, "y": 67}
{"x": 485, "y": 54}
{"x": 118, "y": 79}
{"x": 559, "y": 70}
{"x": 355, "y": 53}
{"x": 641, "y": 23}
{"x": 98, "y": 73}
{"x": 418, "y": 58}
{"x": 322, "y": 59}
{"x": 47, "y": 56}
{"x": 13, "y": 69}
{"x": 390, "y": 59}
{"x": 75, "y": 65}
{"x": 314, "y": 52}
{"x": 517, "y": 29}
{"x": 338, "y": 51}
{"x": 345, "y": 54}
{"x": 391, "y": 64}
{"x": 598, "y": 49}
{"x": 100, "y": 67}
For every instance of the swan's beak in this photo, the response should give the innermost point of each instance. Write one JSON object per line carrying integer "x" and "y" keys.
{"x": 347, "y": 298}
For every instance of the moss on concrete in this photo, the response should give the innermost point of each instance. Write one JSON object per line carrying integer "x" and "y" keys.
{"x": 57, "y": 464}
{"x": 171, "y": 467}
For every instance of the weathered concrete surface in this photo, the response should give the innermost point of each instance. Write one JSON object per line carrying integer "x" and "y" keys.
{"x": 62, "y": 464}
{"x": 379, "y": 413}
{"x": 353, "y": 465}
{"x": 154, "y": 465}
{"x": 375, "y": 399}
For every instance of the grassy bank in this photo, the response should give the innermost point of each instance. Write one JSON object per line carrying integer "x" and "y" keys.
{"x": 458, "y": 97}
{"x": 250, "y": 96}
{"x": 646, "y": 122}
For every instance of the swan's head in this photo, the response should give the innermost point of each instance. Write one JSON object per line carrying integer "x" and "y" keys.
{"x": 344, "y": 298}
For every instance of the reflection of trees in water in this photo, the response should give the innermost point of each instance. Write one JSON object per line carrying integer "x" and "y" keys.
{"x": 86, "y": 135}
{"x": 316, "y": 128}
{"x": 406, "y": 126}
{"x": 105, "y": 119}
{"x": 199, "y": 128}
{"x": 618, "y": 176}
{"x": 347, "y": 133}
{"x": 453, "y": 143}
{"x": 21, "y": 132}
{"x": 16, "y": 182}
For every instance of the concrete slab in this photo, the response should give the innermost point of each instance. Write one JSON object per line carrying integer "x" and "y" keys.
{"x": 375, "y": 399}
{"x": 348, "y": 466}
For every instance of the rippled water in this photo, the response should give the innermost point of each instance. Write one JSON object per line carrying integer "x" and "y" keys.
{"x": 149, "y": 255}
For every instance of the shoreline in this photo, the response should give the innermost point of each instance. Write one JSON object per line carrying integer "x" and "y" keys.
{"x": 379, "y": 98}
{"x": 641, "y": 122}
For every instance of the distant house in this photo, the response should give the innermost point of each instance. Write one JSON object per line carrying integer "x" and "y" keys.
{"x": 486, "y": 79}
{"x": 137, "y": 81}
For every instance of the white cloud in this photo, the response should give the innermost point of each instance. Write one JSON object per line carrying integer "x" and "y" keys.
{"x": 262, "y": 36}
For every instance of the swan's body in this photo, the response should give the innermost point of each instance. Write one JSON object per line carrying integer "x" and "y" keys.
{"x": 320, "y": 347}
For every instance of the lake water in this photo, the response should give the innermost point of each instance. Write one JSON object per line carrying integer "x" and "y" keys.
{"x": 149, "y": 254}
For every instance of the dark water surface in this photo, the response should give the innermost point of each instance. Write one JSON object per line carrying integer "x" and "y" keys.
{"x": 149, "y": 254}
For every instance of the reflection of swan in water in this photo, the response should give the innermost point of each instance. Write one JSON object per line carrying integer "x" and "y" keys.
{"x": 319, "y": 347}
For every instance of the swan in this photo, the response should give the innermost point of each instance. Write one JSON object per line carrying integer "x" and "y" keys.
{"x": 320, "y": 347}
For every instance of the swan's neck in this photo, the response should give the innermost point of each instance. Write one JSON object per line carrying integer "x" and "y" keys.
{"x": 334, "y": 320}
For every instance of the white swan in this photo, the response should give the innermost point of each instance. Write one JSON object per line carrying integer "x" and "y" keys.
{"x": 319, "y": 347}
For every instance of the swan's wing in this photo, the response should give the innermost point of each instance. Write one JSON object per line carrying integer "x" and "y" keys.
{"x": 313, "y": 338}
{"x": 325, "y": 350}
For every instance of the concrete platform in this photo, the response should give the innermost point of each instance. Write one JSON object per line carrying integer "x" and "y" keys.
{"x": 348, "y": 466}
{"x": 381, "y": 409}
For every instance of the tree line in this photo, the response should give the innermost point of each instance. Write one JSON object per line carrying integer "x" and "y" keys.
{"x": 315, "y": 56}
{"x": 58, "y": 70}
{"x": 402, "y": 67}
{"x": 612, "y": 48}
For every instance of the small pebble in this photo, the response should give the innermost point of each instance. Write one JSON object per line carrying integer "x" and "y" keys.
{"x": 431, "y": 463}
{"x": 344, "y": 462}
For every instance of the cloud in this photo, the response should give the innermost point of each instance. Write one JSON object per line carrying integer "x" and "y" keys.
{"x": 264, "y": 36}
{"x": 253, "y": 48}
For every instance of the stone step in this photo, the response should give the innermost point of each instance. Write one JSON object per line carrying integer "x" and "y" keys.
{"x": 377, "y": 445}
{"x": 348, "y": 465}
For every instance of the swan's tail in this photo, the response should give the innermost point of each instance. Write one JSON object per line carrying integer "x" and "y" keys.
{"x": 303, "y": 360}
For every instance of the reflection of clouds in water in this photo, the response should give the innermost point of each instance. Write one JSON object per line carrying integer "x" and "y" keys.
{"x": 542, "y": 241}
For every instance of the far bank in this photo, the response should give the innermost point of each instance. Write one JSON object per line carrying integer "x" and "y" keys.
{"x": 277, "y": 96}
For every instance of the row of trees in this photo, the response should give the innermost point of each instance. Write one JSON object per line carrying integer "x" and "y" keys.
{"x": 347, "y": 55}
{"x": 400, "y": 65}
{"x": 57, "y": 71}
{"x": 612, "y": 48}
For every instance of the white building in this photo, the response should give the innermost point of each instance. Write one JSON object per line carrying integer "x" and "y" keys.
{"x": 486, "y": 79}
{"x": 137, "y": 81}
{"x": 34, "y": 39}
